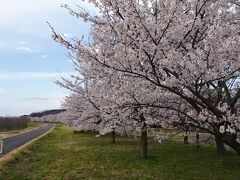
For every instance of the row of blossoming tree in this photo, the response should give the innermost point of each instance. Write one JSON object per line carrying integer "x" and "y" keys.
{"x": 157, "y": 63}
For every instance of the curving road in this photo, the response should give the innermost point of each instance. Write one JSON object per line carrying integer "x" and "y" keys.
{"x": 14, "y": 142}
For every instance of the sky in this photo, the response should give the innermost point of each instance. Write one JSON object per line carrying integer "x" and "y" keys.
{"x": 30, "y": 61}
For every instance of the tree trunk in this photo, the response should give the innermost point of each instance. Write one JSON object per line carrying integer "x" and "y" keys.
{"x": 230, "y": 140}
{"x": 143, "y": 144}
{"x": 236, "y": 146}
{"x": 197, "y": 140}
{"x": 220, "y": 145}
{"x": 113, "y": 134}
{"x": 185, "y": 137}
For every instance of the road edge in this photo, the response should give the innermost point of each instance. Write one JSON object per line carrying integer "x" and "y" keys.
{"x": 17, "y": 152}
{"x": 25, "y": 131}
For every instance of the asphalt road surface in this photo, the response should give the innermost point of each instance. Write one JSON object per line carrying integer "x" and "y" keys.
{"x": 14, "y": 142}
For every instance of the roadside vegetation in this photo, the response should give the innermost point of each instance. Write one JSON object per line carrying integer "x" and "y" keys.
{"x": 31, "y": 126}
{"x": 63, "y": 154}
{"x": 13, "y": 123}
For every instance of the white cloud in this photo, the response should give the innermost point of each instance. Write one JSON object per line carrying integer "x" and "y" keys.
{"x": 33, "y": 75}
{"x": 16, "y": 107}
{"x": 22, "y": 22}
{"x": 44, "y": 56}
{"x": 26, "y": 49}
{"x": 6, "y": 45}
{"x": 2, "y": 91}
{"x": 24, "y": 42}
{"x": 34, "y": 99}
{"x": 56, "y": 96}
{"x": 22, "y": 46}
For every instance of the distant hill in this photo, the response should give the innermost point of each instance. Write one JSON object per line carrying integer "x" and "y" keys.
{"x": 47, "y": 112}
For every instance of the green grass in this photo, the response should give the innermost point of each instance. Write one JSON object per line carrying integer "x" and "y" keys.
{"x": 31, "y": 126}
{"x": 65, "y": 155}
{"x": 35, "y": 124}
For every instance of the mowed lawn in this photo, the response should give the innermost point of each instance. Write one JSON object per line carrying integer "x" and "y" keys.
{"x": 65, "y": 155}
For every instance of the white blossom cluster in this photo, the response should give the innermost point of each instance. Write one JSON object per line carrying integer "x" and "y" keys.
{"x": 161, "y": 139}
{"x": 53, "y": 118}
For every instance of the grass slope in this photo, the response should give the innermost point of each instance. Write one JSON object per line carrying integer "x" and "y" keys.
{"x": 64, "y": 155}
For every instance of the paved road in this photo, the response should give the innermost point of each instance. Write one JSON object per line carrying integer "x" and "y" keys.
{"x": 14, "y": 142}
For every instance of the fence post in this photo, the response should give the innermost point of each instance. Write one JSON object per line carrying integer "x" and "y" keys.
{"x": 197, "y": 139}
{"x": 1, "y": 146}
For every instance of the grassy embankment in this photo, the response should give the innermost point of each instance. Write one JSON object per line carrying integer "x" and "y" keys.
{"x": 64, "y": 155}
{"x": 31, "y": 126}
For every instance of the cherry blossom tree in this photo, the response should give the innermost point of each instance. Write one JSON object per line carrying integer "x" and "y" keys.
{"x": 52, "y": 118}
{"x": 187, "y": 51}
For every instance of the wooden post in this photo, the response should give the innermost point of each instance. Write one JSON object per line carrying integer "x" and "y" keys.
{"x": 185, "y": 135}
{"x": 1, "y": 146}
{"x": 144, "y": 144}
{"x": 113, "y": 134}
{"x": 220, "y": 145}
{"x": 197, "y": 140}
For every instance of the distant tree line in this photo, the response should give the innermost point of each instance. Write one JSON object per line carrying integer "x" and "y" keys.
{"x": 51, "y": 118}
{"x": 47, "y": 112}
{"x": 13, "y": 123}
